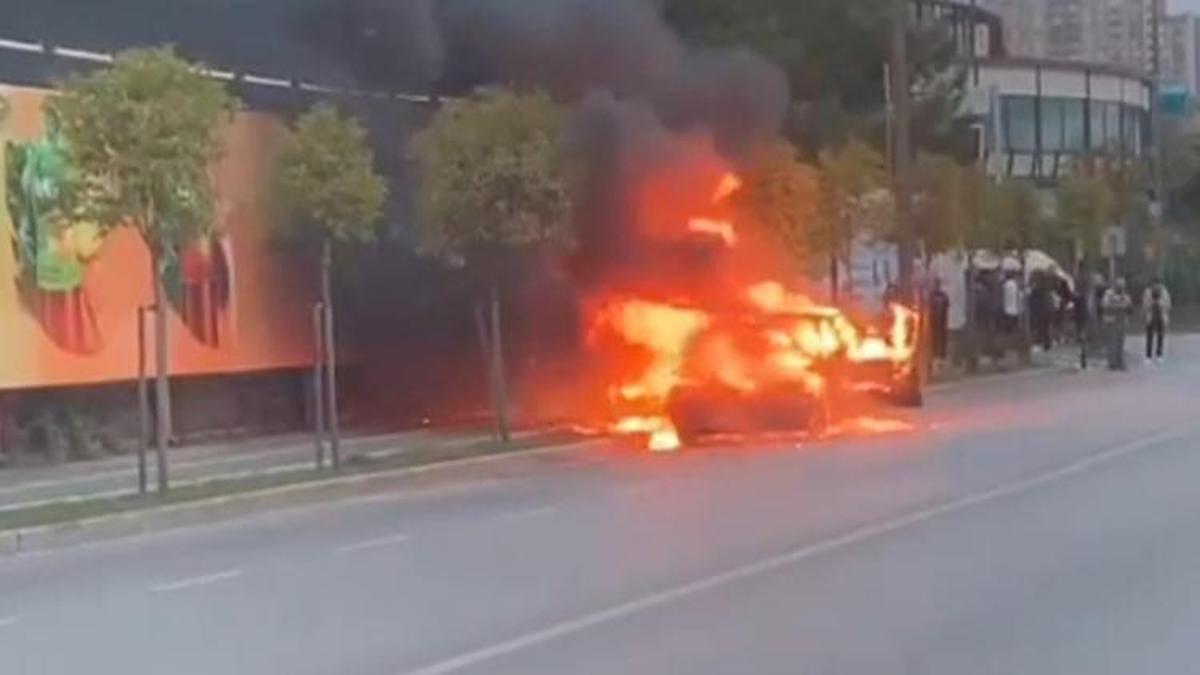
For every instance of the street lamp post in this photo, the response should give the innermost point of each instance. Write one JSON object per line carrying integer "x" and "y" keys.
{"x": 143, "y": 398}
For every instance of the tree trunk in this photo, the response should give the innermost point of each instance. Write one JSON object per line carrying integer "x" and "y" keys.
{"x": 833, "y": 277}
{"x": 499, "y": 384}
{"x": 162, "y": 385}
{"x": 318, "y": 388}
{"x": 331, "y": 397}
{"x": 972, "y": 329}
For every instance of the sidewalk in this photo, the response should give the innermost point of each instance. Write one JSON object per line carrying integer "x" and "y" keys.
{"x": 22, "y": 488}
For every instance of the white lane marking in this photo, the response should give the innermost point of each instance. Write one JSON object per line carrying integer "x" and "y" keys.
{"x": 6, "y": 621}
{"x": 771, "y": 564}
{"x": 524, "y": 514}
{"x": 377, "y": 542}
{"x": 640, "y": 490}
{"x": 192, "y": 582}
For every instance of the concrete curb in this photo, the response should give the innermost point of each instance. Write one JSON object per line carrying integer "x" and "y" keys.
{"x": 1033, "y": 371}
{"x": 204, "y": 511}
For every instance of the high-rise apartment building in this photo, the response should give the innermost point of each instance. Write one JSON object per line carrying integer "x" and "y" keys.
{"x": 1181, "y": 52}
{"x": 1113, "y": 32}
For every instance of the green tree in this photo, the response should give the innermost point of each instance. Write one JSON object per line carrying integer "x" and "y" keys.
{"x": 142, "y": 135}
{"x": 854, "y": 202}
{"x": 832, "y": 53}
{"x": 940, "y": 208}
{"x": 328, "y": 190}
{"x": 781, "y": 196}
{"x": 1085, "y": 207}
{"x": 493, "y": 179}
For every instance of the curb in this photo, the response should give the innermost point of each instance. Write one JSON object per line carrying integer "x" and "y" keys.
{"x": 1032, "y": 371}
{"x": 204, "y": 511}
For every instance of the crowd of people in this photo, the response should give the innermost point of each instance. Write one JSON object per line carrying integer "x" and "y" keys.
{"x": 1057, "y": 311}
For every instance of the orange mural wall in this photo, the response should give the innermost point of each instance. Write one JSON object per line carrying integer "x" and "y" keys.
{"x": 69, "y": 294}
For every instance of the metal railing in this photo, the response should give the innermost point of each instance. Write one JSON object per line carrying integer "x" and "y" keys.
{"x": 233, "y": 76}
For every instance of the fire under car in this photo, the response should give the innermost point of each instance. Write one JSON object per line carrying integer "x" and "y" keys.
{"x": 789, "y": 372}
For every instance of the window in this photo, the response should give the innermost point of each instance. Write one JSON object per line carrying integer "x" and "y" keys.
{"x": 1073, "y": 136}
{"x": 1052, "y": 124}
{"x": 1130, "y": 133}
{"x": 1019, "y": 117}
{"x": 1112, "y": 126}
{"x": 1096, "y": 125}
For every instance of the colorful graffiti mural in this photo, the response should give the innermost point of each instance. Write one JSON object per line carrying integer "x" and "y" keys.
{"x": 69, "y": 293}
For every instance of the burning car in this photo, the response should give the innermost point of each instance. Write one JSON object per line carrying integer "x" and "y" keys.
{"x": 734, "y": 349}
{"x": 779, "y": 364}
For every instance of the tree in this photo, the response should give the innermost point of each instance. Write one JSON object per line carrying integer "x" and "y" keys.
{"x": 833, "y": 53}
{"x": 940, "y": 207}
{"x": 493, "y": 178}
{"x": 781, "y": 195}
{"x": 142, "y": 135}
{"x": 854, "y": 202}
{"x": 328, "y": 190}
{"x": 1085, "y": 208}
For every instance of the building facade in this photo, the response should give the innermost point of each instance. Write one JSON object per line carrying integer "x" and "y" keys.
{"x": 1181, "y": 53}
{"x": 1114, "y": 32}
{"x": 1039, "y": 118}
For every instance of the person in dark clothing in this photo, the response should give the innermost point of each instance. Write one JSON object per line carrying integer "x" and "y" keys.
{"x": 939, "y": 316}
{"x": 1041, "y": 311}
{"x": 1156, "y": 305}
{"x": 1080, "y": 315}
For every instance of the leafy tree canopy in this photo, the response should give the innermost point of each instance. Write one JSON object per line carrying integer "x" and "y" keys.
{"x": 142, "y": 135}
{"x": 854, "y": 199}
{"x": 940, "y": 209}
{"x": 1085, "y": 208}
{"x": 492, "y": 176}
{"x": 781, "y": 195}
{"x": 326, "y": 181}
{"x": 833, "y": 53}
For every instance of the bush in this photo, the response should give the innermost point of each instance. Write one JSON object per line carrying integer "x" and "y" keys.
{"x": 61, "y": 432}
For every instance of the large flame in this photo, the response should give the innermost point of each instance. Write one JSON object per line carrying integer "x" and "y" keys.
{"x": 763, "y": 334}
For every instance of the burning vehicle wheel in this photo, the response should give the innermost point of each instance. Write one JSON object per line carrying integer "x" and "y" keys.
{"x": 906, "y": 391}
{"x": 699, "y": 413}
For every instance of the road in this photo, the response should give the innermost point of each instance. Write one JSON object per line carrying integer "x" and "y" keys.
{"x": 1031, "y": 524}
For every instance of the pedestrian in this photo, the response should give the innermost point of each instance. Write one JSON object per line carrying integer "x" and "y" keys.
{"x": 1080, "y": 310}
{"x": 1010, "y": 308}
{"x": 939, "y": 316}
{"x": 1041, "y": 310}
{"x": 1116, "y": 308}
{"x": 1156, "y": 305}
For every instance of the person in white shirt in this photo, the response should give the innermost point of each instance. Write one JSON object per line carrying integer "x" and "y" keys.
{"x": 1011, "y": 306}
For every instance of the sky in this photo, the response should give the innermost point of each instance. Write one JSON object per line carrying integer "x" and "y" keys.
{"x": 1174, "y": 6}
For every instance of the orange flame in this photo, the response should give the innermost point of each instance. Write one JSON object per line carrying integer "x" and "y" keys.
{"x": 764, "y": 335}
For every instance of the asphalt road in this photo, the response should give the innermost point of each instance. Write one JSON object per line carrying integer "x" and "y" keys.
{"x": 1036, "y": 524}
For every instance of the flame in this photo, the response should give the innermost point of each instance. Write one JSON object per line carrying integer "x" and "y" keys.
{"x": 719, "y": 228}
{"x": 762, "y": 336}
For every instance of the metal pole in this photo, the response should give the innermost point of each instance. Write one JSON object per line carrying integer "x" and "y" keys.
{"x": 902, "y": 155}
{"x": 143, "y": 400}
{"x": 1156, "y": 123}
{"x": 317, "y": 389}
{"x": 331, "y": 402}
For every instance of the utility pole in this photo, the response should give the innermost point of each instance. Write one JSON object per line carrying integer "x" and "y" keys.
{"x": 901, "y": 95}
{"x": 1159, "y": 203}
